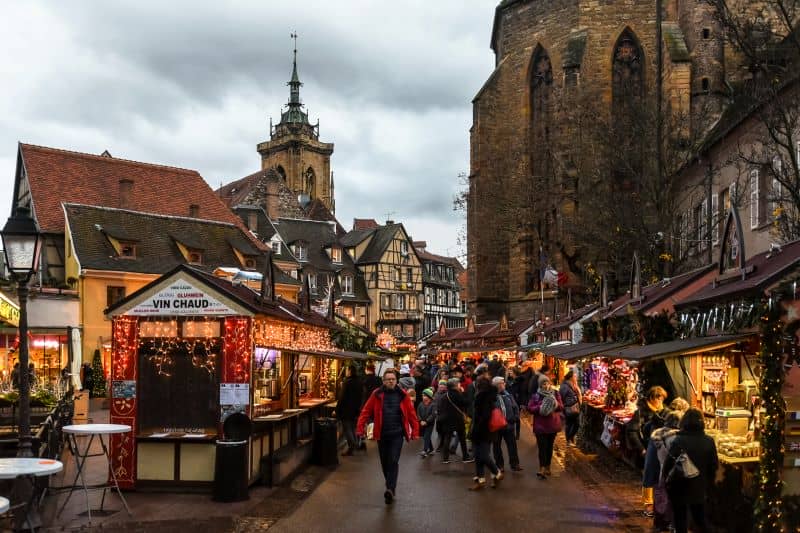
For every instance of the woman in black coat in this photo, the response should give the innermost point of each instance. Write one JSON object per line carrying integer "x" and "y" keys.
{"x": 485, "y": 402}
{"x": 451, "y": 409}
{"x": 349, "y": 407}
{"x": 691, "y": 493}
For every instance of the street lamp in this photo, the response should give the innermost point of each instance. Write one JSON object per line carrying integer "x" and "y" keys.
{"x": 22, "y": 245}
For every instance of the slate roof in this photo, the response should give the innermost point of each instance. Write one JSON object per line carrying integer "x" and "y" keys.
{"x": 320, "y": 237}
{"x": 316, "y": 210}
{"x": 57, "y": 176}
{"x": 264, "y": 230}
{"x": 381, "y": 238}
{"x": 768, "y": 268}
{"x": 355, "y": 237}
{"x": 570, "y": 319}
{"x": 155, "y": 237}
{"x": 434, "y": 259}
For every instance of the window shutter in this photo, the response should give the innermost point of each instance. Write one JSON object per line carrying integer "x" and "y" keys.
{"x": 715, "y": 218}
{"x": 754, "y": 215}
{"x": 776, "y": 191}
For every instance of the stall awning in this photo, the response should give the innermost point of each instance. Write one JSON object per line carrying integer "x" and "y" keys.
{"x": 571, "y": 352}
{"x": 477, "y": 349}
{"x": 352, "y": 356}
{"x": 691, "y": 346}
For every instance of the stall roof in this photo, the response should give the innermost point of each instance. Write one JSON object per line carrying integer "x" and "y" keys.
{"x": 691, "y": 346}
{"x": 569, "y": 352}
{"x": 343, "y": 354}
{"x": 476, "y": 349}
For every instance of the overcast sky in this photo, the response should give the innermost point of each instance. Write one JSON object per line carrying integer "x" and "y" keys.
{"x": 193, "y": 84}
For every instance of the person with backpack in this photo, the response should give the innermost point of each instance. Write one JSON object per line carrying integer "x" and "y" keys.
{"x": 648, "y": 417}
{"x": 571, "y": 396}
{"x": 546, "y": 406}
{"x": 660, "y": 442}
{"x": 688, "y": 494}
{"x": 510, "y": 409}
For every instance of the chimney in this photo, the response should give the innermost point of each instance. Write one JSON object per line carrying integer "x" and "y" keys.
{"x": 389, "y": 222}
{"x": 125, "y": 190}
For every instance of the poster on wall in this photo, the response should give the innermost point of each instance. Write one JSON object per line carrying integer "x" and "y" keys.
{"x": 181, "y": 298}
{"x": 233, "y": 398}
{"x": 125, "y": 389}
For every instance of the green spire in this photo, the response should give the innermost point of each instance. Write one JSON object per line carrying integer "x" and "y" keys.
{"x": 294, "y": 84}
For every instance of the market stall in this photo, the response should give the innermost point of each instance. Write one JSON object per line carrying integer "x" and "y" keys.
{"x": 189, "y": 349}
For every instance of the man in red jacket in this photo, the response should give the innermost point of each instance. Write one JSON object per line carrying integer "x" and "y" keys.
{"x": 392, "y": 413}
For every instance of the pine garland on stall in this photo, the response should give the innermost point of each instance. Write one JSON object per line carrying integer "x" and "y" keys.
{"x": 769, "y": 507}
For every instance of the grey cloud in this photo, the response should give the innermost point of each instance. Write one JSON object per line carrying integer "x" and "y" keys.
{"x": 194, "y": 84}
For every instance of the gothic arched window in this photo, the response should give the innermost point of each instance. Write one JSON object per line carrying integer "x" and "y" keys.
{"x": 541, "y": 85}
{"x": 310, "y": 182}
{"x": 628, "y": 72}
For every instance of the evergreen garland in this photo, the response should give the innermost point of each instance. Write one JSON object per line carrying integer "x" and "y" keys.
{"x": 98, "y": 376}
{"x": 769, "y": 507}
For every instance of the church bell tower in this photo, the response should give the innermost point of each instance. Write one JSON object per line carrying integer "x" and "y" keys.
{"x": 295, "y": 151}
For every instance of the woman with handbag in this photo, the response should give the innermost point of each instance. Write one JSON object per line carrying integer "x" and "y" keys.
{"x": 546, "y": 406}
{"x": 689, "y": 493}
{"x": 450, "y": 409}
{"x": 482, "y": 435}
{"x": 572, "y": 398}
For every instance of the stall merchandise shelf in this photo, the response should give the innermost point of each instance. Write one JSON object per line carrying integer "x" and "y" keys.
{"x": 737, "y": 460}
{"x": 277, "y": 417}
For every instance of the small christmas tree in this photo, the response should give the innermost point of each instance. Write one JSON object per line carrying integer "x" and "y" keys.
{"x": 98, "y": 376}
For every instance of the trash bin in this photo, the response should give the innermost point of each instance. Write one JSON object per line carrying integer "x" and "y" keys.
{"x": 230, "y": 466}
{"x": 325, "y": 446}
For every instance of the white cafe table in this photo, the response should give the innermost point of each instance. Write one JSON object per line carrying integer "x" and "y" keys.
{"x": 28, "y": 468}
{"x": 92, "y": 431}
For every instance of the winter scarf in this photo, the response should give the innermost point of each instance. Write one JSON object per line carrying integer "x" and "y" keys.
{"x": 548, "y": 402}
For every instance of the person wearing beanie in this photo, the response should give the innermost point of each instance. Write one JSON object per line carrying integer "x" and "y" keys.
{"x": 450, "y": 409}
{"x": 426, "y": 413}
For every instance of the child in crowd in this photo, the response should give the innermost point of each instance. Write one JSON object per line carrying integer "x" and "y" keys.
{"x": 426, "y": 413}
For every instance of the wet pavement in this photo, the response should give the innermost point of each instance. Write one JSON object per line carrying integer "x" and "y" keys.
{"x": 586, "y": 493}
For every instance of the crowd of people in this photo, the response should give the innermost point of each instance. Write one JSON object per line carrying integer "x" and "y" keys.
{"x": 456, "y": 407}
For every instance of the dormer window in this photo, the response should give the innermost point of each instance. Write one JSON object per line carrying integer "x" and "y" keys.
{"x": 127, "y": 249}
{"x": 195, "y": 257}
{"x": 336, "y": 254}
{"x": 276, "y": 247}
{"x": 301, "y": 252}
{"x": 347, "y": 284}
{"x": 250, "y": 263}
{"x": 312, "y": 283}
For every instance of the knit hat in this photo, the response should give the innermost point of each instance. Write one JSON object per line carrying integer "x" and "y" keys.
{"x": 428, "y": 392}
{"x": 406, "y": 382}
{"x": 443, "y": 383}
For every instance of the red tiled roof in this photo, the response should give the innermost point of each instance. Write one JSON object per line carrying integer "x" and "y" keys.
{"x": 364, "y": 223}
{"x": 57, "y": 176}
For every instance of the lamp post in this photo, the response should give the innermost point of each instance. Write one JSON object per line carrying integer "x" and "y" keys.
{"x": 22, "y": 244}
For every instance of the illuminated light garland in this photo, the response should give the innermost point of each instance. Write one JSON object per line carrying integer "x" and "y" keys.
{"x": 769, "y": 506}
{"x": 125, "y": 347}
{"x": 288, "y": 336}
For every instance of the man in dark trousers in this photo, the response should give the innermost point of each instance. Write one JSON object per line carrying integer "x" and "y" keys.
{"x": 392, "y": 413}
{"x": 348, "y": 407}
